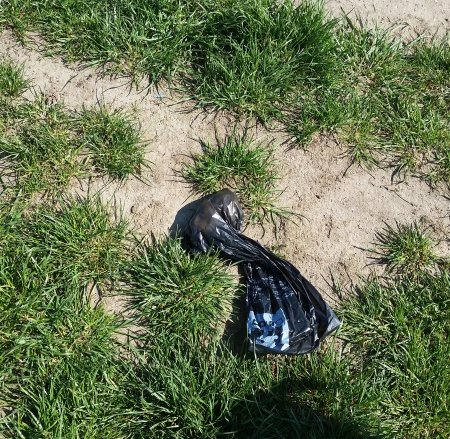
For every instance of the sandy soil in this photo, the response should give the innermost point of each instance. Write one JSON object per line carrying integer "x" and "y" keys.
{"x": 418, "y": 16}
{"x": 342, "y": 210}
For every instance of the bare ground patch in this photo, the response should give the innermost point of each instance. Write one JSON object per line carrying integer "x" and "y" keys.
{"x": 342, "y": 207}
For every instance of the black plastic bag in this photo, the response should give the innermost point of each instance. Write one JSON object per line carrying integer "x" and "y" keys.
{"x": 286, "y": 314}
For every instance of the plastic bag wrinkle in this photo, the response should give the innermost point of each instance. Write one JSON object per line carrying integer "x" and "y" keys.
{"x": 286, "y": 314}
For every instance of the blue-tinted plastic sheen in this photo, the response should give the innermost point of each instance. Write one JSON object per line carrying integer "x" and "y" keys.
{"x": 286, "y": 314}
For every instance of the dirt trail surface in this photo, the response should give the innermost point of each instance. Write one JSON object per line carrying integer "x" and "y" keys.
{"x": 419, "y": 16}
{"x": 342, "y": 207}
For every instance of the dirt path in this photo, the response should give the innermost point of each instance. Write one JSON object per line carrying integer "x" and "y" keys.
{"x": 420, "y": 16}
{"x": 342, "y": 209}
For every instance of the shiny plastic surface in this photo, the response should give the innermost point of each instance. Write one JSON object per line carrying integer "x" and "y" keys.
{"x": 286, "y": 314}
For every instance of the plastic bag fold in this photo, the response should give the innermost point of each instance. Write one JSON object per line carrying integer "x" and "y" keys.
{"x": 286, "y": 314}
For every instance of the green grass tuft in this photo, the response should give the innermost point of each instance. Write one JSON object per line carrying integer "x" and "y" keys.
{"x": 246, "y": 56}
{"x": 114, "y": 141}
{"x": 80, "y": 238}
{"x": 432, "y": 59}
{"x": 72, "y": 242}
{"x": 183, "y": 391}
{"x": 281, "y": 63}
{"x": 395, "y": 97}
{"x": 249, "y": 170}
{"x": 398, "y": 333}
{"x": 177, "y": 295}
{"x": 255, "y": 55}
{"x": 247, "y": 397}
{"x": 45, "y": 147}
{"x": 58, "y": 361}
{"x": 407, "y": 249}
{"x": 41, "y": 152}
{"x": 138, "y": 38}
{"x": 12, "y": 80}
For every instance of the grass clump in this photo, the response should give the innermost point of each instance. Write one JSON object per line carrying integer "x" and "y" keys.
{"x": 419, "y": 139}
{"x": 395, "y": 102}
{"x": 184, "y": 390}
{"x": 137, "y": 38}
{"x": 279, "y": 62}
{"x": 60, "y": 368}
{"x": 248, "y": 169}
{"x": 371, "y": 61}
{"x": 432, "y": 60}
{"x": 79, "y": 238}
{"x": 319, "y": 396}
{"x": 72, "y": 242}
{"x": 177, "y": 295}
{"x": 247, "y": 56}
{"x": 406, "y": 249}
{"x": 399, "y": 332}
{"x": 12, "y": 80}
{"x": 41, "y": 153}
{"x": 193, "y": 391}
{"x": 114, "y": 141}
{"x": 45, "y": 147}
{"x": 256, "y": 54}
{"x": 62, "y": 374}
{"x": 58, "y": 360}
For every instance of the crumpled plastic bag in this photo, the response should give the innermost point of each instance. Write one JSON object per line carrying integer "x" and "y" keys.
{"x": 286, "y": 314}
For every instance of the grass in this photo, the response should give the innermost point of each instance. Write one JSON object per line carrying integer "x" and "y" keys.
{"x": 12, "y": 80}
{"x": 244, "y": 397}
{"x": 153, "y": 38}
{"x": 176, "y": 295}
{"x": 251, "y": 62}
{"x": 57, "y": 367}
{"x": 56, "y": 361}
{"x": 45, "y": 147}
{"x": 63, "y": 372}
{"x": 385, "y": 98}
{"x": 407, "y": 249}
{"x": 184, "y": 391}
{"x": 238, "y": 163}
{"x": 40, "y": 150}
{"x": 113, "y": 140}
{"x": 74, "y": 242}
{"x": 397, "y": 104}
{"x": 79, "y": 238}
{"x": 399, "y": 332}
{"x": 309, "y": 396}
